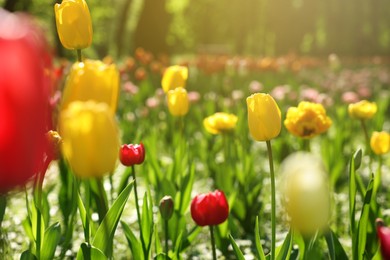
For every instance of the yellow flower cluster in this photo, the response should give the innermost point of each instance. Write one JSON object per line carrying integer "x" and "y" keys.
{"x": 307, "y": 120}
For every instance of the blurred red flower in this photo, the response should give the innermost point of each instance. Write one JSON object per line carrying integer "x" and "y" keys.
{"x": 384, "y": 238}
{"x": 25, "y": 86}
{"x": 131, "y": 154}
{"x": 210, "y": 209}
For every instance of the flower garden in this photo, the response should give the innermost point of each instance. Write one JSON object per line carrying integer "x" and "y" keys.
{"x": 208, "y": 157}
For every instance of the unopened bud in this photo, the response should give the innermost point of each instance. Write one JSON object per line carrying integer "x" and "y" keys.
{"x": 166, "y": 207}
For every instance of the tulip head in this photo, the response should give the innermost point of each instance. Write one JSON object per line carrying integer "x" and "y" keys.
{"x": 178, "y": 103}
{"x": 220, "y": 123}
{"x": 384, "y": 238}
{"x": 131, "y": 154}
{"x": 166, "y": 207}
{"x": 362, "y": 109}
{"x": 174, "y": 77}
{"x": 90, "y": 138}
{"x": 25, "y": 88}
{"x": 306, "y": 194}
{"x": 307, "y": 120}
{"x": 380, "y": 142}
{"x": 74, "y": 24}
{"x": 264, "y": 117}
{"x": 210, "y": 208}
{"x": 92, "y": 80}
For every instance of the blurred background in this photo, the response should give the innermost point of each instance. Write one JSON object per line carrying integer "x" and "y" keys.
{"x": 352, "y": 28}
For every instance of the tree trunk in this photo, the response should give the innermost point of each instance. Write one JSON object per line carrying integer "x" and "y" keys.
{"x": 122, "y": 22}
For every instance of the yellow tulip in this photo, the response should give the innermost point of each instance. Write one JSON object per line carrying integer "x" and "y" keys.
{"x": 264, "y": 117}
{"x": 92, "y": 80}
{"x": 74, "y": 24}
{"x": 178, "y": 101}
{"x": 307, "y": 120}
{"x": 362, "y": 109}
{"x": 380, "y": 142}
{"x": 90, "y": 138}
{"x": 174, "y": 77}
{"x": 220, "y": 122}
{"x": 305, "y": 190}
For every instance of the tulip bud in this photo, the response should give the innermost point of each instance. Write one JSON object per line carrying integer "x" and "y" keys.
{"x": 74, "y": 24}
{"x": 178, "y": 101}
{"x": 307, "y": 120}
{"x": 210, "y": 208}
{"x": 166, "y": 207}
{"x": 264, "y": 117}
{"x": 362, "y": 109}
{"x": 380, "y": 142}
{"x": 131, "y": 154}
{"x": 220, "y": 122}
{"x": 174, "y": 77}
{"x": 306, "y": 192}
{"x": 92, "y": 80}
{"x": 384, "y": 238}
{"x": 90, "y": 138}
{"x": 54, "y": 143}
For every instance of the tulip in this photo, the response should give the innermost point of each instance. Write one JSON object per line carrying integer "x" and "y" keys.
{"x": 380, "y": 142}
{"x": 264, "y": 117}
{"x": 220, "y": 122}
{"x": 362, "y": 109}
{"x": 131, "y": 154}
{"x": 305, "y": 192}
{"x": 178, "y": 101}
{"x": 74, "y": 24}
{"x": 90, "y": 138}
{"x": 384, "y": 238}
{"x": 210, "y": 208}
{"x": 174, "y": 77}
{"x": 25, "y": 87}
{"x": 92, "y": 80}
{"x": 307, "y": 120}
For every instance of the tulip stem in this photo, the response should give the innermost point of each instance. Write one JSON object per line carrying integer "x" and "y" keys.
{"x": 273, "y": 200}
{"x": 138, "y": 211}
{"x": 166, "y": 238}
{"x": 367, "y": 137}
{"x": 213, "y": 242}
{"x": 79, "y": 57}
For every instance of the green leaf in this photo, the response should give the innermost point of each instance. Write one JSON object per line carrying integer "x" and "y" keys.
{"x": 162, "y": 256}
{"x": 236, "y": 249}
{"x": 260, "y": 251}
{"x": 28, "y": 255}
{"x": 336, "y": 250}
{"x": 147, "y": 221}
{"x": 105, "y": 233}
{"x": 83, "y": 215}
{"x": 284, "y": 251}
{"x": 134, "y": 244}
{"x": 51, "y": 240}
{"x": 186, "y": 189}
{"x": 89, "y": 252}
{"x": 352, "y": 189}
{"x": 361, "y": 234}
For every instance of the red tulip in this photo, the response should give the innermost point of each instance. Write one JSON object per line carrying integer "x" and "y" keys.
{"x": 384, "y": 238}
{"x": 210, "y": 208}
{"x": 131, "y": 154}
{"x": 24, "y": 99}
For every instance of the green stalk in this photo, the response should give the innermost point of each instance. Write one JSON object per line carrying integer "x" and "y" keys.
{"x": 213, "y": 242}
{"x": 87, "y": 206}
{"x": 138, "y": 211}
{"x": 367, "y": 137}
{"x": 79, "y": 56}
{"x": 273, "y": 200}
{"x": 166, "y": 238}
